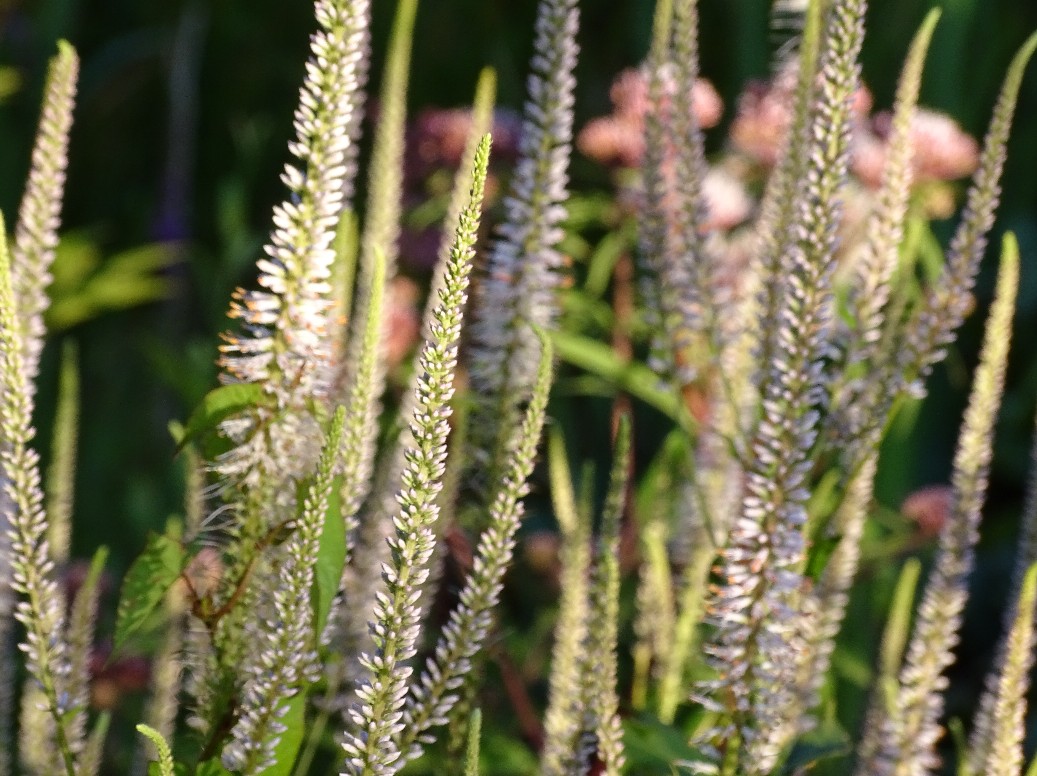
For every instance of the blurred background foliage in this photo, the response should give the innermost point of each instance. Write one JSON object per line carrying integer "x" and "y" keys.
{"x": 183, "y": 116}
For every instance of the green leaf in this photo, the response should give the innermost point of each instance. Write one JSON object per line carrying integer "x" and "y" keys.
{"x": 331, "y": 558}
{"x": 146, "y": 583}
{"x": 823, "y": 743}
{"x": 287, "y": 748}
{"x": 820, "y": 552}
{"x": 636, "y": 379}
{"x": 652, "y": 747}
{"x": 603, "y": 260}
{"x": 220, "y": 404}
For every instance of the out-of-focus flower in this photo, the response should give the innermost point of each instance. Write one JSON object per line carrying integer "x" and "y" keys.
{"x": 765, "y": 111}
{"x": 438, "y": 136}
{"x": 630, "y": 98}
{"x": 614, "y": 141}
{"x": 617, "y": 140}
{"x": 629, "y": 93}
{"x": 942, "y": 150}
{"x": 929, "y": 508}
{"x": 727, "y": 201}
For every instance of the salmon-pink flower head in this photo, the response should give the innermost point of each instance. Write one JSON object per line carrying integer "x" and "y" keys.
{"x": 630, "y": 98}
{"x": 617, "y": 140}
{"x": 629, "y": 93}
{"x": 929, "y": 508}
{"x": 614, "y": 141}
{"x": 765, "y": 112}
{"x": 727, "y": 202}
{"x": 942, "y": 150}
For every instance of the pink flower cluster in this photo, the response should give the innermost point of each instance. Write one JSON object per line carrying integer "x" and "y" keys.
{"x": 943, "y": 152}
{"x": 618, "y": 139}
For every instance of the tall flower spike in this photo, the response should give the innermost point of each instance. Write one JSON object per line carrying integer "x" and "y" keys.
{"x": 788, "y": 18}
{"x": 39, "y": 215}
{"x": 653, "y": 234}
{"x": 286, "y": 343}
{"x": 759, "y": 605}
{"x": 82, "y": 624}
{"x": 563, "y": 719}
{"x": 62, "y": 474}
{"x": 877, "y": 263}
{"x": 833, "y": 587}
{"x": 522, "y": 274}
{"x": 346, "y": 626}
{"x": 942, "y": 310}
{"x": 691, "y": 275}
{"x": 600, "y": 666}
{"x": 372, "y": 747}
{"x": 364, "y": 366}
{"x": 677, "y": 279}
{"x": 32, "y": 253}
{"x": 385, "y": 180}
{"x": 1005, "y": 754}
{"x": 384, "y": 505}
{"x": 910, "y": 731}
{"x": 288, "y": 660}
{"x": 465, "y": 634}
{"x": 379, "y": 241}
{"x": 777, "y": 210}
{"x": 1026, "y": 556}
{"x": 41, "y": 611}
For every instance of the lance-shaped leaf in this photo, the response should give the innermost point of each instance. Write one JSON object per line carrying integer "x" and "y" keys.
{"x": 866, "y": 363}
